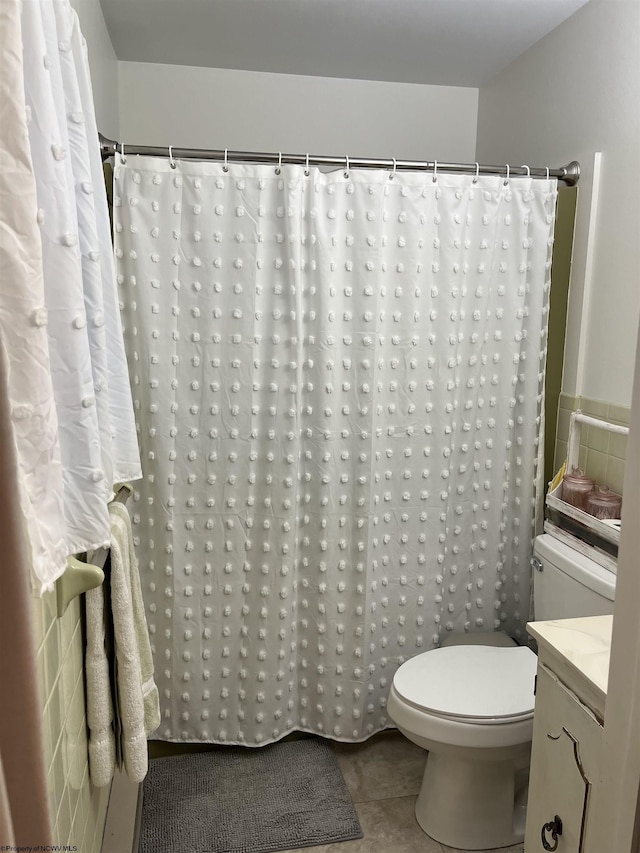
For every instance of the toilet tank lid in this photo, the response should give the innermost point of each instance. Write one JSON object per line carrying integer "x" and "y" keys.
{"x": 482, "y": 682}
{"x": 578, "y": 566}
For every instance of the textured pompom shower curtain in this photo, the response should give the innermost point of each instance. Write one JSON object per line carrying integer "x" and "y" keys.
{"x": 338, "y": 382}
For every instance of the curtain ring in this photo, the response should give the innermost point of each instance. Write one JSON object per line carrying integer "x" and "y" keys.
{"x": 346, "y": 171}
{"x": 279, "y": 166}
{"x": 123, "y": 159}
{"x": 225, "y": 166}
{"x": 393, "y": 171}
{"x": 435, "y": 171}
{"x": 524, "y": 166}
{"x": 477, "y": 174}
{"x": 172, "y": 162}
{"x": 506, "y": 180}
{"x": 306, "y": 165}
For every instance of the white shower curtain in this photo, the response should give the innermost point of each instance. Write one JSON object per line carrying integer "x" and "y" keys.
{"x": 338, "y": 383}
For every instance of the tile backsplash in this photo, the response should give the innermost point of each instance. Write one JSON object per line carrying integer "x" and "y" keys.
{"x": 602, "y": 454}
{"x": 78, "y": 809}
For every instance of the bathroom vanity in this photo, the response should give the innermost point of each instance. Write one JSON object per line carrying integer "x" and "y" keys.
{"x": 571, "y": 687}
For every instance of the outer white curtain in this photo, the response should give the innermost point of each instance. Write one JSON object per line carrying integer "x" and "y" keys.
{"x": 72, "y": 413}
{"x": 338, "y": 383}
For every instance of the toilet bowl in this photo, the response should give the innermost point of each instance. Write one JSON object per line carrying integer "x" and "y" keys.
{"x": 471, "y": 706}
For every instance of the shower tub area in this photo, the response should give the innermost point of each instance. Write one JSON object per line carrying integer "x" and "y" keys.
{"x": 338, "y": 381}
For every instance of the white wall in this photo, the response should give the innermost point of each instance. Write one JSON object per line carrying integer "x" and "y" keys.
{"x": 246, "y": 110}
{"x": 574, "y": 93}
{"x": 103, "y": 65}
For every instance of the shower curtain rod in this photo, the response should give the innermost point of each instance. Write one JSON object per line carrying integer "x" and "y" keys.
{"x": 569, "y": 174}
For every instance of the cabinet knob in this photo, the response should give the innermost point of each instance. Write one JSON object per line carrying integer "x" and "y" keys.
{"x": 554, "y": 827}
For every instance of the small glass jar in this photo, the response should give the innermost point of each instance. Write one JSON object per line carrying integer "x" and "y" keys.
{"x": 603, "y": 503}
{"x": 576, "y": 488}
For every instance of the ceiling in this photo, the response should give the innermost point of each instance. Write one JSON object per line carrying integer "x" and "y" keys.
{"x": 441, "y": 42}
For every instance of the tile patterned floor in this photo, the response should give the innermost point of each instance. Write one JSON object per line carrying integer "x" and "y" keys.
{"x": 384, "y": 776}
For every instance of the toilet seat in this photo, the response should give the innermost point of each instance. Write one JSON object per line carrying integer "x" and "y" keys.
{"x": 481, "y": 685}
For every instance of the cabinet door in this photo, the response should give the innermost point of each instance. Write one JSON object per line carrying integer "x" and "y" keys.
{"x": 564, "y": 760}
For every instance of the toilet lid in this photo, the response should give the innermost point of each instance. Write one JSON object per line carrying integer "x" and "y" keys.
{"x": 481, "y": 683}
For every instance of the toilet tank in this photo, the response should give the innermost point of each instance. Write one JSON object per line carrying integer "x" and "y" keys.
{"x": 568, "y": 584}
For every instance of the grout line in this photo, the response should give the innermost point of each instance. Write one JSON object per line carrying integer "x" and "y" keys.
{"x": 385, "y": 799}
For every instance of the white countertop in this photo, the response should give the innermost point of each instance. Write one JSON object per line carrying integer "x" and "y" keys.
{"x": 584, "y": 644}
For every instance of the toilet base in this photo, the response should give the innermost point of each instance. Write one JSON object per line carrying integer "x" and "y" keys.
{"x": 469, "y": 804}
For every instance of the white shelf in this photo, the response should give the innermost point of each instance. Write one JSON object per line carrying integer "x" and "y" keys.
{"x": 604, "y": 529}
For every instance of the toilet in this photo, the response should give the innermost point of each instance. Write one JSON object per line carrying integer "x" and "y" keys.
{"x": 470, "y": 704}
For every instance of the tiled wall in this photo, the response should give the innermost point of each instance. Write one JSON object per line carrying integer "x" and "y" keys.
{"x": 602, "y": 453}
{"x": 78, "y": 810}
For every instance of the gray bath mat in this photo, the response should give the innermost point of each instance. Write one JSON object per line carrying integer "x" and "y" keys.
{"x": 240, "y": 800}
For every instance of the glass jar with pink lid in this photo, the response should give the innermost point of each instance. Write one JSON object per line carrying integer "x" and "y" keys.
{"x": 603, "y": 503}
{"x": 576, "y": 488}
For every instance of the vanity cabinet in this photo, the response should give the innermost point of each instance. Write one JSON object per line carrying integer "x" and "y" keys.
{"x": 573, "y": 664}
{"x": 565, "y": 755}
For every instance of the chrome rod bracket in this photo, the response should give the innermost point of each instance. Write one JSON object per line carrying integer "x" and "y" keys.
{"x": 571, "y": 173}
